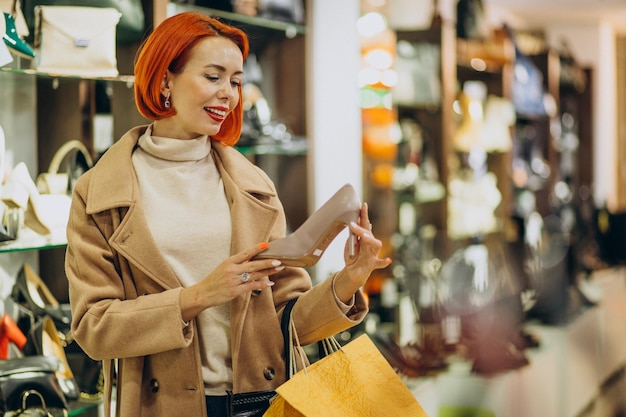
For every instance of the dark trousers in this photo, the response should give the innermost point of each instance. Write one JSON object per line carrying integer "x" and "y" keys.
{"x": 217, "y": 405}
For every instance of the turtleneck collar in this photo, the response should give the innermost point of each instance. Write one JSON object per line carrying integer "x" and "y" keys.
{"x": 170, "y": 149}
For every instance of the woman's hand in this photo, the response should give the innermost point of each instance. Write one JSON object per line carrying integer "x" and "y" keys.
{"x": 234, "y": 276}
{"x": 365, "y": 260}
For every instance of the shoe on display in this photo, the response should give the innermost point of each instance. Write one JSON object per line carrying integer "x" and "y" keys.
{"x": 44, "y": 340}
{"x": 13, "y": 40}
{"x": 32, "y": 293}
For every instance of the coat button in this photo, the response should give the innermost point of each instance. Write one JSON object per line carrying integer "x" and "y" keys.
{"x": 269, "y": 373}
{"x": 154, "y": 385}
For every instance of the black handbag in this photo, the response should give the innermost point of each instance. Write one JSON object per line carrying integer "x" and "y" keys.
{"x": 290, "y": 11}
{"x": 471, "y": 20}
{"x": 129, "y": 30}
{"x": 19, "y": 376}
{"x": 30, "y": 410}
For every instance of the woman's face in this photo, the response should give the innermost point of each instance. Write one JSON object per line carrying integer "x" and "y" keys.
{"x": 204, "y": 92}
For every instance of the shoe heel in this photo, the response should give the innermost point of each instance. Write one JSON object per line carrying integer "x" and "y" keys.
{"x": 33, "y": 294}
{"x": 44, "y": 340}
{"x": 15, "y": 196}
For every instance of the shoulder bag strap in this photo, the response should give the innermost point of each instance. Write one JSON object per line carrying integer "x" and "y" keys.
{"x": 285, "y": 327}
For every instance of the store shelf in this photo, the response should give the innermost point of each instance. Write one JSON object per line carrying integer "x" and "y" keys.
{"x": 295, "y": 147}
{"x": 261, "y": 31}
{"x": 78, "y": 408}
{"x": 252, "y": 24}
{"x": 29, "y": 240}
{"x": 128, "y": 79}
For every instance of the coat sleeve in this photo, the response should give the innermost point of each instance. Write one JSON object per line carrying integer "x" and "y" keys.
{"x": 106, "y": 322}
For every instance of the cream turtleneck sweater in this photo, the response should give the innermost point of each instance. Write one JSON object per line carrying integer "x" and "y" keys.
{"x": 187, "y": 211}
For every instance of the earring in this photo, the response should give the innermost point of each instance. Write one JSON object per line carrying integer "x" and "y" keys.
{"x": 167, "y": 101}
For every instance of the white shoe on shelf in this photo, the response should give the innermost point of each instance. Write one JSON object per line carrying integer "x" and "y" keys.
{"x": 20, "y": 191}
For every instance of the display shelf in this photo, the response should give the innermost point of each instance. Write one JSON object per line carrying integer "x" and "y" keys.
{"x": 128, "y": 79}
{"x": 252, "y": 24}
{"x": 29, "y": 240}
{"x": 295, "y": 147}
{"x": 81, "y": 407}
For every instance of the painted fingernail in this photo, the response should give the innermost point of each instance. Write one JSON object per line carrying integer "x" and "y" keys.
{"x": 280, "y": 268}
{"x": 270, "y": 283}
{"x": 276, "y": 263}
{"x": 263, "y": 245}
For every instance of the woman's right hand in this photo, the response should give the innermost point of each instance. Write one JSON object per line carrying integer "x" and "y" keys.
{"x": 236, "y": 275}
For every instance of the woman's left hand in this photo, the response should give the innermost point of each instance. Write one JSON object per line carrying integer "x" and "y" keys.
{"x": 364, "y": 260}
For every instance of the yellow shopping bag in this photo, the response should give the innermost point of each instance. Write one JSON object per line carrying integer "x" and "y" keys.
{"x": 356, "y": 381}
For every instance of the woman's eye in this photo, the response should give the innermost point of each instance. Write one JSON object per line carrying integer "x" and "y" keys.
{"x": 236, "y": 83}
{"x": 212, "y": 77}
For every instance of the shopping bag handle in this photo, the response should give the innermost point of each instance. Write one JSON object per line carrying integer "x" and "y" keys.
{"x": 324, "y": 347}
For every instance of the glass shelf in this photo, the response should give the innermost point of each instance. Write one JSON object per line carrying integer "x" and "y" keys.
{"x": 29, "y": 240}
{"x": 294, "y": 147}
{"x": 74, "y": 409}
{"x": 291, "y": 30}
{"x": 77, "y": 408}
{"x": 261, "y": 31}
{"x": 128, "y": 79}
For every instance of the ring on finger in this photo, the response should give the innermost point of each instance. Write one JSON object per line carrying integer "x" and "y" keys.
{"x": 245, "y": 277}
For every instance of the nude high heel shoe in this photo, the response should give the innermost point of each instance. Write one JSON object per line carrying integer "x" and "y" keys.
{"x": 305, "y": 246}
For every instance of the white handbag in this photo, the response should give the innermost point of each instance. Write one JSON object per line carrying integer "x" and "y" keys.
{"x": 76, "y": 40}
{"x": 55, "y": 182}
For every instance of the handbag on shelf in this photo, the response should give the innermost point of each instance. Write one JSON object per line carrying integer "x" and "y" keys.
{"x": 418, "y": 66}
{"x": 351, "y": 380}
{"x": 131, "y": 26}
{"x": 472, "y": 22}
{"x": 23, "y": 375}
{"x": 39, "y": 410}
{"x": 78, "y": 160}
{"x": 290, "y": 11}
{"x": 528, "y": 90}
{"x": 76, "y": 40}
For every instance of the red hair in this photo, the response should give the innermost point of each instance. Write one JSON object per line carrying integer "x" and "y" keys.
{"x": 168, "y": 48}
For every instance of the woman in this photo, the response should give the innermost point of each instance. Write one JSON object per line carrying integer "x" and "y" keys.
{"x": 162, "y": 232}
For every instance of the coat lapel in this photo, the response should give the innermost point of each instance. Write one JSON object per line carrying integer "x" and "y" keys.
{"x": 249, "y": 191}
{"x": 117, "y": 188}
{"x": 252, "y": 217}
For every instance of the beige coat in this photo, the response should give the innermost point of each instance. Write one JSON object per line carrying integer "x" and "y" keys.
{"x": 125, "y": 297}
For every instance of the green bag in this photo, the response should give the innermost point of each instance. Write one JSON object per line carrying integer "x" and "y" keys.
{"x": 130, "y": 28}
